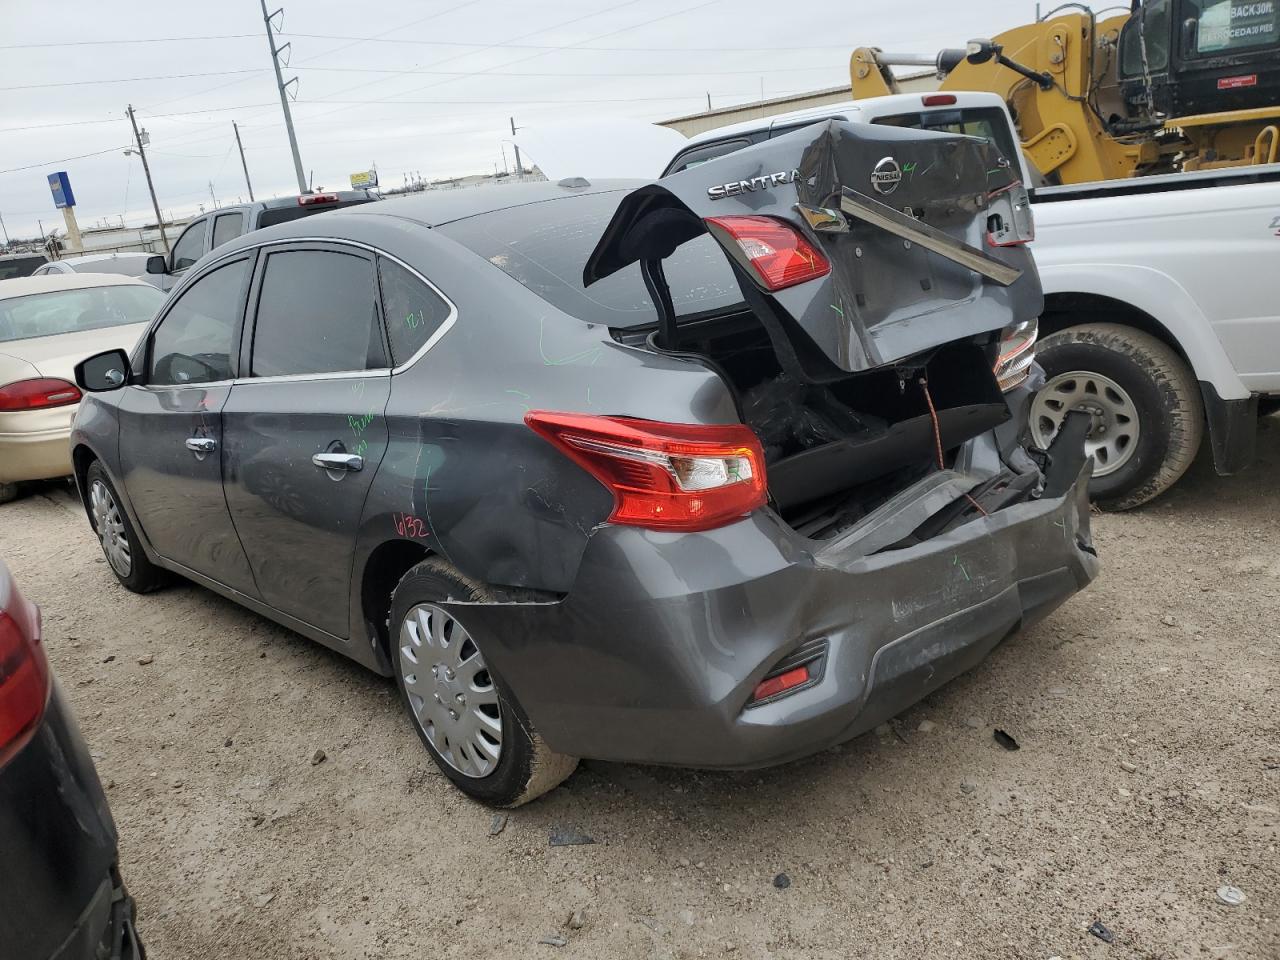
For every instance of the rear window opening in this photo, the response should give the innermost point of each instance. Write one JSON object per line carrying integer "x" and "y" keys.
{"x": 836, "y": 452}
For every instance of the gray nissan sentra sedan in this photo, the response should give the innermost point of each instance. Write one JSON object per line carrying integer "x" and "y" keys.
{"x": 715, "y": 471}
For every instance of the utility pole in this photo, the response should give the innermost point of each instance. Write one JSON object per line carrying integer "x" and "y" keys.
{"x": 284, "y": 97}
{"x": 519, "y": 165}
{"x": 5, "y": 229}
{"x": 146, "y": 168}
{"x": 242, "y": 163}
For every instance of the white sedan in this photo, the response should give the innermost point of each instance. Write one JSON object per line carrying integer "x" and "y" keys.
{"x": 49, "y": 324}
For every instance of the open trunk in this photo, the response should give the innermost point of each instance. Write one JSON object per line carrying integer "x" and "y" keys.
{"x": 870, "y": 362}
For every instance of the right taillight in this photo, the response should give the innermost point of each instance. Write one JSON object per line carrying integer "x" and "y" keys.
{"x": 664, "y": 476}
{"x": 1017, "y": 353}
{"x": 780, "y": 255}
{"x": 24, "y": 674}
{"x": 38, "y": 394}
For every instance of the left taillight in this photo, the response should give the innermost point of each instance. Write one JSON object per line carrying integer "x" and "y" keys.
{"x": 1017, "y": 353}
{"x": 38, "y": 394}
{"x": 24, "y": 674}
{"x": 780, "y": 255}
{"x": 664, "y": 476}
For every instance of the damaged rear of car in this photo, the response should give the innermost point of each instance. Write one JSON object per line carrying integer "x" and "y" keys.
{"x": 875, "y": 524}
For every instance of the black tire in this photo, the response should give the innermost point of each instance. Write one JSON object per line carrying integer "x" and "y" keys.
{"x": 8, "y": 492}
{"x": 143, "y": 576}
{"x": 526, "y": 767}
{"x": 1163, "y": 390}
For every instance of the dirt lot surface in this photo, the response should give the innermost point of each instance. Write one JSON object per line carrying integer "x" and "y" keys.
{"x": 1147, "y": 709}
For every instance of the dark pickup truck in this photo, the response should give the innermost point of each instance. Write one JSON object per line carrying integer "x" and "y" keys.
{"x": 215, "y": 228}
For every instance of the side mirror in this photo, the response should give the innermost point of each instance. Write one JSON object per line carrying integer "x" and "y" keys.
{"x": 1190, "y": 37}
{"x": 103, "y": 371}
{"x": 156, "y": 263}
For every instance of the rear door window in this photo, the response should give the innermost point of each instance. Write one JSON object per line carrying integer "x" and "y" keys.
{"x": 227, "y": 226}
{"x": 414, "y": 311}
{"x": 316, "y": 313}
{"x": 708, "y": 151}
{"x": 195, "y": 341}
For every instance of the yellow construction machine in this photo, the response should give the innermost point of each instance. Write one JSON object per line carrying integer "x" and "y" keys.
{"x": 1165, "y": 86}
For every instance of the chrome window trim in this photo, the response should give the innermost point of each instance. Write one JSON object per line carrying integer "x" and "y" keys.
{"x": 302, "y": 377}
{"x": 445, "y": 326}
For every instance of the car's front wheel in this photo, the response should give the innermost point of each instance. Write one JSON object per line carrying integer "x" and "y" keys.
{"x": 1148, "y": 415}
{"x": 471, "y": 724}
{"x": 116, "y": 535}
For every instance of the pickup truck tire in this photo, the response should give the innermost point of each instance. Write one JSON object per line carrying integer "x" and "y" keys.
{"x": 8, "y": 492}
{"x": 1155, "y": 383}
{"x": 438, "y": 659}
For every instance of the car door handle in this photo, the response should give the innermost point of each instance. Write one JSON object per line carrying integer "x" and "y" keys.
{"x": 202, "y": 444}
{"x": 338, "y": 461}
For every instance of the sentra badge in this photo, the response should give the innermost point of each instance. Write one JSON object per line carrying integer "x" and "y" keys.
{"x": 720, "y": 191}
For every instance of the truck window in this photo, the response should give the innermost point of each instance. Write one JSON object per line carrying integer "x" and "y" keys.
{"x": 226, "y": 227}
{"x": 986, "y": 123}
{"x": 190, "y": 246}
{"x": 705, "y": 152}
{"x": 1230, "y": 25}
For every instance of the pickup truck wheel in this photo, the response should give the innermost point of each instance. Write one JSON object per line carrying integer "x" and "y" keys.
{"x": 1148, "y": 416}
{"x": 465, "y": 715}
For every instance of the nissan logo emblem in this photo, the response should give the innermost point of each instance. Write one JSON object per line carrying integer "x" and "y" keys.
{"x": 886, "y": 175}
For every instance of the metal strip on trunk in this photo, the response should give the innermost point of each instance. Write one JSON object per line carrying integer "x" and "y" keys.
{"x": 881, "y": 215}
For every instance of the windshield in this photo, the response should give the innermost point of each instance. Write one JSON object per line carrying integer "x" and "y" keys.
{"x": 545, "y": 246}
{"x": 71, "y": 311}
{"x": 1227, "y": 26}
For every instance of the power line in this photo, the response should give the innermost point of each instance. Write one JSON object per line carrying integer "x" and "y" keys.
{"x": 49, "y": 163}
{"x": 535, "y": 46}
{"x": 95, "y": 83}
{"x": 95, "y": 43}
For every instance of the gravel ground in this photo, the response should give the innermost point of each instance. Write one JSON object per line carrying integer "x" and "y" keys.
{"x": 1147, "y": 709}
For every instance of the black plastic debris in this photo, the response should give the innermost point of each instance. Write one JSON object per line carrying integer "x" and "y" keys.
{"x": 1101, "y": 932}
{"x": 1005, "y": 740}
{"x": 569, "y": 837}
{"x": 782, "y": 881}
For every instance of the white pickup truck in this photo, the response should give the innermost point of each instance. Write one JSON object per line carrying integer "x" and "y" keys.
{"x": 1162, "y": 296}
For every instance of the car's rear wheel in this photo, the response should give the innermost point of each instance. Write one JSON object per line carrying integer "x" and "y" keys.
{"x": 1148, "y": 415}
{"x": 8, "y": 492}
{"x": 465, "y": 714}
{"x": 115, "y": 534}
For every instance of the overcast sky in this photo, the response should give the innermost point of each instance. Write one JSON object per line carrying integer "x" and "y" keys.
{"x": 411, "y": 86}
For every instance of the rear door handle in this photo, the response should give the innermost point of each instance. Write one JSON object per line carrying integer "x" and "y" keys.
{"x": 202, "y": 444}
{"x": 338, "y": 461}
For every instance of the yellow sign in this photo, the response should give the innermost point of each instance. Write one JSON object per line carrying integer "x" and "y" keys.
{"x": 364, "y": 179}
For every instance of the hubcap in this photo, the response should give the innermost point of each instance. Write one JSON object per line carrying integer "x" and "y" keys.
{"x": 451, "y": 693}
{"x": 1113, "y": 436}
{"x": 110, "y": 528}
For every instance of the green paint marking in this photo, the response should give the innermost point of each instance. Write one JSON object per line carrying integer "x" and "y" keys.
{"x": 908, "y": 168}
{"x": 593, "y": 352}
{"x": 1059, "y": 523}
{"x": 520, "y": 393}
{"x": 955, "y": 562}
{"x": 838, "y": 310}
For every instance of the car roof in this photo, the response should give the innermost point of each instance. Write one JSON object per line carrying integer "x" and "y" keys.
{"x": 94, "y": 257}
{"x": 24, "y": 286}
{"x": 431, "y": 208}
{"x": 853, "y": 110}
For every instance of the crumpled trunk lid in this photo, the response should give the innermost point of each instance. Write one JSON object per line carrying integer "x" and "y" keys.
{"x": 902, "y": 215}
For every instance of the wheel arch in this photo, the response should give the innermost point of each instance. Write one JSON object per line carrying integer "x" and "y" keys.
{"x": 1146, "y": 300}
{"x": 382, "y": 571}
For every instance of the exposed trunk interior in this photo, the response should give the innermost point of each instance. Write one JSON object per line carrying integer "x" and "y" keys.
{"x": 837, "y": 451}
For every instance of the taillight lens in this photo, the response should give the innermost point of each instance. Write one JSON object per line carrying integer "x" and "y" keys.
{"x": 1017, "y": 353}
{"x": 24, "y": 674}
{"x": 665, "y": 476}
{"x": 780, "y": 254}
{"x": 38, "y": 394}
